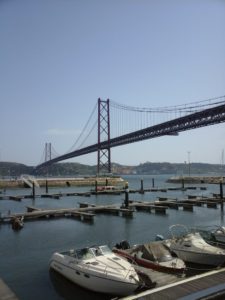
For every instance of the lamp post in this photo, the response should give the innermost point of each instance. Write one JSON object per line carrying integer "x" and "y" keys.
{"x": 189, "y": 163}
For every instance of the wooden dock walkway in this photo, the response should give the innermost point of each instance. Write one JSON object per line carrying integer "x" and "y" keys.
{"x": 115, "y": 191}
{"x": 160, "y": 206}
{"x": 45, "y": 195}
{"x": 148, "y": 206}
{"x": 84, "y": 213}
{"x": 202, "y": 286}
{"x": 87, "y": 211}
{"x": 5, "y": 292}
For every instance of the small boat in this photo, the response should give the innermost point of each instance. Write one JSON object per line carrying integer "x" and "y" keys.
{"x": 17, "y": 223}
{"x": 218, "y": 234}
{"x": 154, "y": 255}
{"x": 191, "y": 247}
{"x": 213, "y": 234}
{"x": 98, "y": 269}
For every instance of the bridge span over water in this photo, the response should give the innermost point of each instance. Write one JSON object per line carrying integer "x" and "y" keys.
{"x": 184, "y": 117}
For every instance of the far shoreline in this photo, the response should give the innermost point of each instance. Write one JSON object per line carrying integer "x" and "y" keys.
{"x": 64, "y": 182}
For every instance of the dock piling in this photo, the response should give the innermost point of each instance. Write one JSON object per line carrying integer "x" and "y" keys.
{"x": 126, "y": 201}
{"x": 182, "y": 181}
{"x": 33, "y": 190}
{"x": 46, "y": 186}
{"x": 153, "y": 182}
{"x": 221, "y": 195}
{"x": 142, "y": 187}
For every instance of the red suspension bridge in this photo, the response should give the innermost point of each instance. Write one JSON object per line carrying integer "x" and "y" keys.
{"x": 118, "y": 125}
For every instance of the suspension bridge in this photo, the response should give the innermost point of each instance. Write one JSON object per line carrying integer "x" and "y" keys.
{"x": 112, "y": 124}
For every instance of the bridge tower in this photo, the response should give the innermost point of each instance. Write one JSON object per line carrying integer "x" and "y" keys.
{"x": 48, "y": 151}
{"x": 104, "y": 155}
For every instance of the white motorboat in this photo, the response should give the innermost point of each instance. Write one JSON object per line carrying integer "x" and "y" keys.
{"x": 219, "y": 234}
{"x": 98, "y": 269}
{"x": 191, "y": 247}
{"x": 212, "y": 234}
{"x": 153, "y": 255}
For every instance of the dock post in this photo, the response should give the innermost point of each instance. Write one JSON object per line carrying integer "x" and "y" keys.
{"x": 33, "y": 190}
{"x": 153, "y": 182}
{"x": 96, "y": 186}
{"x": 46, "y": 186}
{"x": 142, "y": 187}
{"x": 182, "y": 181}
{"x": 221, "y": 195}
{"x": 126, "y": 201}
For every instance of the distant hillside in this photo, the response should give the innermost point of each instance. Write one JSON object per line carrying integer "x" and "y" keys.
{"x": 76, "y": 169}
{"x": 177, "y": 168}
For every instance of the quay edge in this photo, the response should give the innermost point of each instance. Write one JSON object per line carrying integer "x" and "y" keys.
{"x": 197, "y": 179}
{"x": 63, "y": 182}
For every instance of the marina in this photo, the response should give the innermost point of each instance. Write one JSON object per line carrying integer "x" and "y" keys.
{"x": 112, "y": 165}
{"x": 87, "y": 211}
{"x": 75, "y": 222}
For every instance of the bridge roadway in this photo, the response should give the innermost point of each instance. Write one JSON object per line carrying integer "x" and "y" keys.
{"x": 203, "y": 118}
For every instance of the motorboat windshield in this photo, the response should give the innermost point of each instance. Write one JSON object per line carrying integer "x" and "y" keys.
{"x": 85, "y": 253}
{"x": 105, "y": 250}
{"x": 92, "y": 252}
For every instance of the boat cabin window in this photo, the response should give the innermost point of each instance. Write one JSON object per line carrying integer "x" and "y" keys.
{"x": 84, "y": 254}
{"x": 105, "y": 249}
{"x": 100, "y": 250}
{"x": 164, "y": 258}
{"x": 96, "y": 251}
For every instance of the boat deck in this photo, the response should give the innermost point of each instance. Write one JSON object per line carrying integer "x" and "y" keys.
{"x": 197, "y": 287}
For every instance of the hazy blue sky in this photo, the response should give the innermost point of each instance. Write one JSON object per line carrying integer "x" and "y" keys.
{"x": 57, "y": 57}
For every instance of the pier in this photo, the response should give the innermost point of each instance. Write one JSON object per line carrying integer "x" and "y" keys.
{"x": 209, "y": 285}
{"x": 126, "y": 208}
{"x": 44, "y": 195}
{"x": 28, "y": 181}
{"x": 87, "y": 211}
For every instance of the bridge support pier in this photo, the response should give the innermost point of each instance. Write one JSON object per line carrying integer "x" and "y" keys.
{"x": 104, "y": 154}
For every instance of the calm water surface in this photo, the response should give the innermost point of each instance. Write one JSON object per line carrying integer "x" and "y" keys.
{"x": 25, "y": 255}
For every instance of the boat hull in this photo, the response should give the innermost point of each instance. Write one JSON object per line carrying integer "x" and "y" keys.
{"x": 94, "y": 281}
{"x": 200, "y": 257}
{"x": 149, "y": 264}
{"x": 219, "y": 238}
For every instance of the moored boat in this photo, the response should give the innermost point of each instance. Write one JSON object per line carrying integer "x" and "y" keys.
{"x": 98, "y": 269}
{"x": 17, "y": 223}
{"x": 191, "y": 247}
{"x": 214, "y": 235}
{"x": 153, "y": 255}
{"x": 218, "y": 234}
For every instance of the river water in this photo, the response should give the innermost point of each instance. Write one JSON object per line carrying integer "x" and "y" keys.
{"x": 25, "y": 254}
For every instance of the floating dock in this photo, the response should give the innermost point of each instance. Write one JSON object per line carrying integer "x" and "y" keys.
{"x": 210, "y": 285}
{"x": 87, "y": 211}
